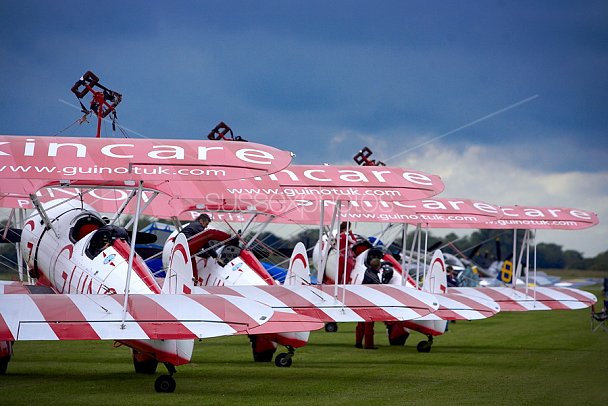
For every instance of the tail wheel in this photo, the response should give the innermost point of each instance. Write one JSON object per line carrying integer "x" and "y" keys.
{"x": 165, "y": 384}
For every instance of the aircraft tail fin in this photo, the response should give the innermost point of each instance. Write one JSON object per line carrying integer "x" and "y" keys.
{"x": 506, "y": 272}
{"x": 179, "y": 277}
{"x": 436, "y": 280}
{"x": 299, "y": 269}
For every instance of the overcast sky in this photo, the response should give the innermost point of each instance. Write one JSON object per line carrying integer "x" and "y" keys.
{"x": 505, "y": 100}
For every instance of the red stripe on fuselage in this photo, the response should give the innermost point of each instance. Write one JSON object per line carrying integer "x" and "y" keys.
{"x": 123, "y": 249}
{"x": 257, "y": 267}
{"x": 412, "y": 324}
{"x": 162, "y": 356}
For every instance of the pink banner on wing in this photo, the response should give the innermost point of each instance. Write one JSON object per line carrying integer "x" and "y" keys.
{"x": 118, "y": 160}
{"x": 543, "y": 218}
{"x": 436, "y": 212}
{"x": 355, "y": 183}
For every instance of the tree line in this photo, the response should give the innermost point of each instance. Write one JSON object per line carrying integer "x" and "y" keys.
{"x": 481, "y": 246}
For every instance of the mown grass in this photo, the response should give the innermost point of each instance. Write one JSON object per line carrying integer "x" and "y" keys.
{"x": 540, "y": 358}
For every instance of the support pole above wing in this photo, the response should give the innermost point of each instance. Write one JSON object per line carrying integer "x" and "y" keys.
{"x": 43, "y": 215}
{"x": 131, "y": 254}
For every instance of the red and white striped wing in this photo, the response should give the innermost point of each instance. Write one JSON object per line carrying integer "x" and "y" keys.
{"x": 99, "y": 317}
{"x": 347, "y": 303}
{"x": 288, "y": 323}
{"x": 9, "y": 287}
{"x": 453, "y": 306}
{"x": 539, "y": 298}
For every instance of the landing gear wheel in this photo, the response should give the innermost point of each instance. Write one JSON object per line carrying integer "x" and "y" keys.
{"x": 6, "y": 351}
{"x": 265, "y": 356}
{"x": 165, "y": 384}
{"x": 143, "y": 363}
{"x": 283, "y": 360}
{"x": 4, "y": 365}
{"x": 424, "y": 346}
{"x": 331, "y": 327}
{"x": 398, "y": 340}
{"x": 262, "y": 348}
{"x": 394, "y": 339}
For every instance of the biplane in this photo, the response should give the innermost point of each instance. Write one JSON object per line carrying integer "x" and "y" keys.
{"x": 331, "y": 254}
{"x": 92, "y": 285}
{"x": 343, "y": 260}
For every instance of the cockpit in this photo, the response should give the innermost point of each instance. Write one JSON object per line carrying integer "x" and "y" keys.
{"x": 84, "y": 225}
{"x": 105, "y": 237}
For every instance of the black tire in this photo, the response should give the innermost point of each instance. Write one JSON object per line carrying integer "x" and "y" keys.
{"x": 146, "y": 366}
{"x": 331, "y": 327}
{"x": 398, "y": 340}
{"x": 260, "y": 356}
{"x": 4, "y": 364}
{"x": 424, "y": 346}
{"x": 165, "y": 384}
{"x": 283, "y": 360}
{"x": 265, "y": 356}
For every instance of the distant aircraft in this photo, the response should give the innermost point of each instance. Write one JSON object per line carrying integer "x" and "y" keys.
{"x": 442, "y": 213}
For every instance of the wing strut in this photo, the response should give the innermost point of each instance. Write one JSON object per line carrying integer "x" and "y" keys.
{"x": 7, "y": 226}
{"x": 43, "y": 215}
{"x": 270, "y": 218}
{"x": 412, "y": 255}
{"x": 405, "y": 270}
{"x": 131, "y": 254}
{"x": 338, "y": 209}
{"x": 346, "y": 248}
{"x": 123, "y": 206}
{"x": 426, "y": 249}
{"x": 326, "y": 247}
{"x": 154, "y": 194}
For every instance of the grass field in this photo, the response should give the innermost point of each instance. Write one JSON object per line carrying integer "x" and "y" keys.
{"x": 544, "y": 358}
